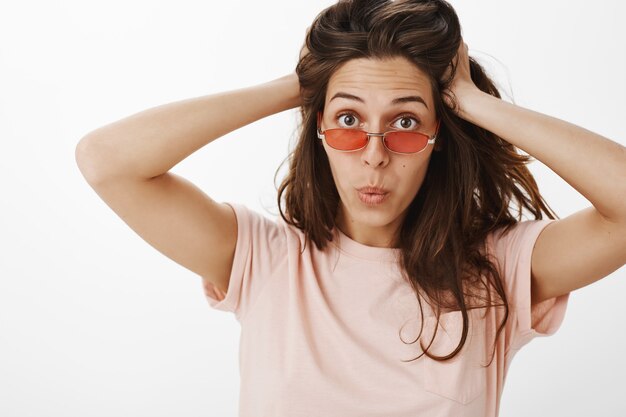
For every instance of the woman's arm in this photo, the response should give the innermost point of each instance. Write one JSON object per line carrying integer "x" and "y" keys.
{"x": 127, "y": 163}
{"x": 590, "y": 244}
{"x": 150, "y": 143}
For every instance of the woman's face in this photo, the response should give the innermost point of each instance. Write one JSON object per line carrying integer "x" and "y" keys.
{"x": 360, "y": 95}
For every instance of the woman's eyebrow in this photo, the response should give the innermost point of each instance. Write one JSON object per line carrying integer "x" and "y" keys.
{"x": 398, "y": 100}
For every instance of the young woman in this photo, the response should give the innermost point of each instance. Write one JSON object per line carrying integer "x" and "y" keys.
{"x": 397, "y": 281}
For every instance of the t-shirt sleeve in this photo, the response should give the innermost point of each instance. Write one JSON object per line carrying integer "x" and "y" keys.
{"x": 513, "y": 251}
{"x": 259, "y": 251}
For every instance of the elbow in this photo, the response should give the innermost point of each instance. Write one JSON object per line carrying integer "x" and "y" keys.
{"x": 86, "y": 158}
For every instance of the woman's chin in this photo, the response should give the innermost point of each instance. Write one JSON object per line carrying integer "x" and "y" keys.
{"x": 376, "y": 216}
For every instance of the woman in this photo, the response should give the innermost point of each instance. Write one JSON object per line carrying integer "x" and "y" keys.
{"x": 398, "y": 192}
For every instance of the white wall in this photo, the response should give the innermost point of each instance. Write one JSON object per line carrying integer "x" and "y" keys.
{"x": 95, "y": 322}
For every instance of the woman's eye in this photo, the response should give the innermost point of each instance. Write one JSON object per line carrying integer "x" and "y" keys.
{"x": 405, "y": 122}
{"x": 349, "y": 119}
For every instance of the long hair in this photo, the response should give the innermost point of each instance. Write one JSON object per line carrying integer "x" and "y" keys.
{"x": 470, "y": 181}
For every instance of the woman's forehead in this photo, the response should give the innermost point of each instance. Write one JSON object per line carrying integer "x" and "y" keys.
{"x": 366, "y": 79}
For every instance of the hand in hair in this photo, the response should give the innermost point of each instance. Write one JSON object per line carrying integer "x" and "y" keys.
{"x": 462, "y": 81}
{"x": 303, "y": 51}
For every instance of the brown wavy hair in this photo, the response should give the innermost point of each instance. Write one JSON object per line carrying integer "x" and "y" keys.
{"x": 472, "y": 179}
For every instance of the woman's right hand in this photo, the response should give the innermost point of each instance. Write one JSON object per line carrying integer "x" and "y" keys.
{"x": 304, "y": 51}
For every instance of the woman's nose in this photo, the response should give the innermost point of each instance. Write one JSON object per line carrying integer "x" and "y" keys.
{"x": 375, "y": 154}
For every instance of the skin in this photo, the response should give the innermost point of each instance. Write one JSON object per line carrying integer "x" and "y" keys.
{"x": 378, "y": 82}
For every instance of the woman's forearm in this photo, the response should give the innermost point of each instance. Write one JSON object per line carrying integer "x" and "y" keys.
{"x": 593, "y": 164}
{"x": 149, "y": 143}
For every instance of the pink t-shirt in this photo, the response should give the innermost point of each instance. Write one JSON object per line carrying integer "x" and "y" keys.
{"x": 320, "y": 329}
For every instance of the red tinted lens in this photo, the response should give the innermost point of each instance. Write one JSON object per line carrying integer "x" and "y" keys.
{"x": 345, "y": 139}
{"x": 352, "y": 139}
{"x": 406, "y": 142}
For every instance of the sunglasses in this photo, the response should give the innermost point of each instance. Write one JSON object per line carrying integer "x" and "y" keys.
{"x": 397, "y": 141}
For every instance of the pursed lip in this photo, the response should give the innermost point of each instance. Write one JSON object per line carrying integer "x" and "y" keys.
{"x": 373, "y": 190}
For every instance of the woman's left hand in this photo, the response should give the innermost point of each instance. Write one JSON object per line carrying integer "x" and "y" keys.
{"x": 462, "y": 82}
